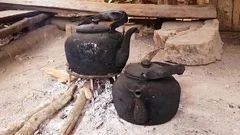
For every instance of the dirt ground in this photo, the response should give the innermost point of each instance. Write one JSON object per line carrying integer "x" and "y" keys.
{"x": 210, "y": 102}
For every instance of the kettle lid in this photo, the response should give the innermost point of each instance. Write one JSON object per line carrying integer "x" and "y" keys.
{"x": 92, "y": 28}
{"x": 147, "y": 70}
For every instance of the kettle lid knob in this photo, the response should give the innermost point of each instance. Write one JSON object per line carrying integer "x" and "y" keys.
{"x": 146, "y": 63}
{"x": 95, "y": 20}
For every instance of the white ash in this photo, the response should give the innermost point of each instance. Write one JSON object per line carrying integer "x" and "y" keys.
{"x": 80, "y": 82}
{"x": 59, "y": 86}
{"x": 102, "y": 99}
{"x": 101, "y": 113}
{"x": 52, "y": 126}
{"x": 96, "y": 111}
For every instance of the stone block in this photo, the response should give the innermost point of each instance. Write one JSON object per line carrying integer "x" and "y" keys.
{"x": 195, "y": 47}
{"x": 172, "y": 28}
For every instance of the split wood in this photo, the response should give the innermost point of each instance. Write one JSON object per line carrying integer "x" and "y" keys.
{"x": 61, "y": 75}
{"x": 33, "y": 123}
{"x": 150, "y": 55}
{"x": 76, "y": 111}
{"x": 18, "y": 26}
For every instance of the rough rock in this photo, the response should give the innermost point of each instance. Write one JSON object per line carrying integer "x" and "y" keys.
{"x": 171, "y": 28}
{"x": 192, "y": 45}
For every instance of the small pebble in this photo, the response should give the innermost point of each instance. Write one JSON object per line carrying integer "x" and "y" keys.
{"x": 18, "y": 58}
{"x": 50, "y": 61}
{"x": 231, "y": 106}
{"x": 2, "y": 70}
{"x": 63, "y": 116}
{"x": 227, "y": 86}
{"x": 37, "y": 132}
{"x": 100, "y": 125}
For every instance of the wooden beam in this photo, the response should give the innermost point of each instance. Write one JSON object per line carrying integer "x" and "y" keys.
{"x": 225, "y": 9}
{"x": 236, "y": 15}
{"x": 215, "y": 2}
{"x": 46, "y": 9}
{"x": 160, "y": 2}
{"x": 161, "y": 11}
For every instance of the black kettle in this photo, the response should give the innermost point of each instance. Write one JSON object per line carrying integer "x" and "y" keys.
{"x": 98, "y": 49}
{"x": 146, "y": 93}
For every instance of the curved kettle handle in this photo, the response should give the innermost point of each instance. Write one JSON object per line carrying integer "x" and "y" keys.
{"x": 164, "y": 71}
{"x": 118, "y": 16}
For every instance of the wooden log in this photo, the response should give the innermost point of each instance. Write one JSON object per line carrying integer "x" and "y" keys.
{"x": 161, "y": 11}
{"x": 28, "y": 41}
{"x": 13, "y": 128}
{"x": 76, "y": 111}
{"x": 16, "y": 15}
{"x": 236, "y": 15}
{"x": 13, "y": 13}
{"x": 17, "y": 126}
{"x": 18, "y": 26}
{"x": 33, "y": 123}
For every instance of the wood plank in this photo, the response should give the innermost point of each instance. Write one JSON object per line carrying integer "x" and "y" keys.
{"x": 10, "y": 15}
{"x": 163, "y": 11}
{"x": 225, "y": 9}
{"x": 46, "y": 9}
{"x": 236, "y": 15}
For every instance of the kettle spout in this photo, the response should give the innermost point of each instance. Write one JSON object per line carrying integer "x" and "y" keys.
{"x": 123, "y": 53}
{"x": 140, "y": 113}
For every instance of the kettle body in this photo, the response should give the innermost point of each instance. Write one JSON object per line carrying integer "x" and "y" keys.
{"x": 147, "y": 101}
{"x": 93, "y": 54}
{"x": 98, "y": 49}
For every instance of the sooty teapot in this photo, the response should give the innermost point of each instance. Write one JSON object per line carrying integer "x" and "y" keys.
{"x": 98, "y": 49}
{"x": 146, "y": 93}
